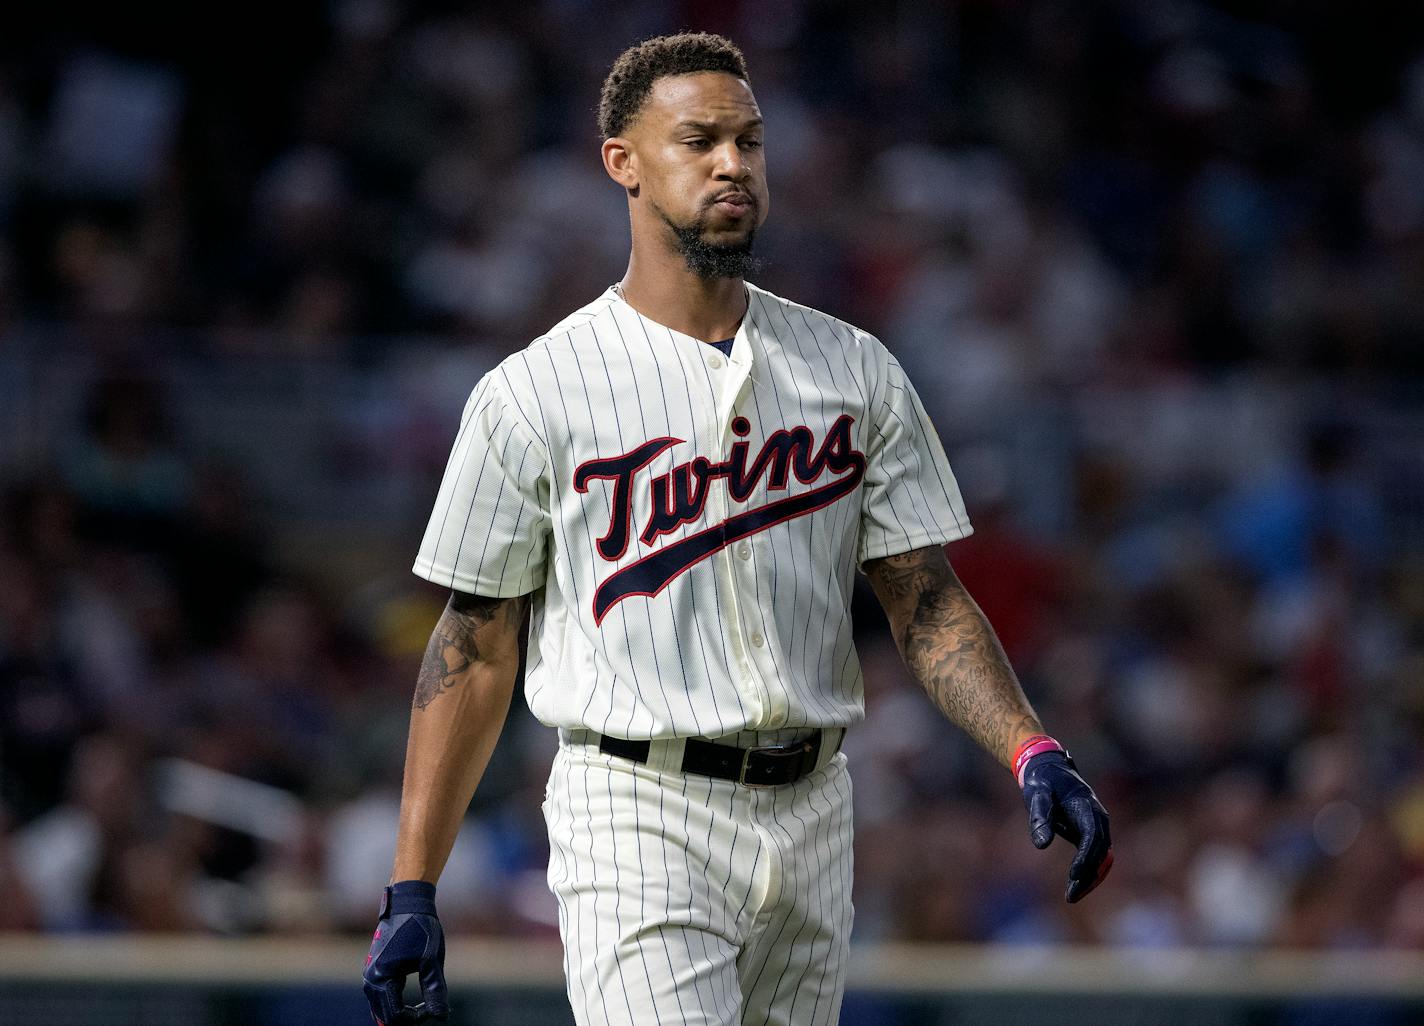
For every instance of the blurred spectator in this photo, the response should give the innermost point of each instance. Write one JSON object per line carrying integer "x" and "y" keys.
{"x": 74, "y": 856}
{"x": 130, "y": 482}
{"x": 1016, "y": 581}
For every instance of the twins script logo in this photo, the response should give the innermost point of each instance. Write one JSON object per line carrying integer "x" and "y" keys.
{"x": 679, "y": 497}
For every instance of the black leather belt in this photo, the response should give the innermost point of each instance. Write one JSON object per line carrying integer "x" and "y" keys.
{"x": 755, "y": 767}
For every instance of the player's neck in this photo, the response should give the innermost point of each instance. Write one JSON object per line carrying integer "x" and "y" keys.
{"x": 679, "y": 299}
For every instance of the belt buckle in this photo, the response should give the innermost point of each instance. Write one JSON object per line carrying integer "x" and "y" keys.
{"x": 800, "y": 750}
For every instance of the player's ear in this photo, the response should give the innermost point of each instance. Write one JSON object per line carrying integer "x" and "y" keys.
{"x": 619, "y": 163}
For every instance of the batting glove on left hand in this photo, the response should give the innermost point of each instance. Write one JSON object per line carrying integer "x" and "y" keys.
{"x": 408, "y": 939}
{"x": 1059, "y": 801}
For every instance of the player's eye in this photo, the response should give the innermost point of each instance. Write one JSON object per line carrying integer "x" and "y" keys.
{"x": 751, "y": 144}
{"x": 699, "y": 143}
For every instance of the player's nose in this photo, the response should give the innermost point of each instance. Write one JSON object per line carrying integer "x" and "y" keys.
{"x": 731, "y": 164}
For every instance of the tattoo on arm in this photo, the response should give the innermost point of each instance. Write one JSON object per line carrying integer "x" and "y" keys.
{"x": 472, "y": 629}
{"x": 950, "y": 648}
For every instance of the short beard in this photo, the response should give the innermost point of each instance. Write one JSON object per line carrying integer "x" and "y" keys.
{"x": 708, "y": 261}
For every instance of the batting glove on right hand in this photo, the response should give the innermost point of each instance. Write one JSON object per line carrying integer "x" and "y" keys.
{"x": 1059, "y": 801}
{"x": 408, "y": 939}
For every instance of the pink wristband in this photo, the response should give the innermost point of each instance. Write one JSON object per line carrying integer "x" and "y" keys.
{"x": 1028, "y": 748}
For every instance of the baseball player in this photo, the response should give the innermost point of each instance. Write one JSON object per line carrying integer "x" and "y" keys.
{"x": 677, "y": 484}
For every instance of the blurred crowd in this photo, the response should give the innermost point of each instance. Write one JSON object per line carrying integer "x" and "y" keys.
{"x": 1157, "y": 269}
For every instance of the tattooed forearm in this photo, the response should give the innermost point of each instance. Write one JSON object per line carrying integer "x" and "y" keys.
{"x": 950, "y": 648}
{"x": 471, "y": 630}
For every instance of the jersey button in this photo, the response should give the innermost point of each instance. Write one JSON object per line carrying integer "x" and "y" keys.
{"x": 758, "y": 640}
{"x": 744, "y": 551}
{"x": 716, "y": 362}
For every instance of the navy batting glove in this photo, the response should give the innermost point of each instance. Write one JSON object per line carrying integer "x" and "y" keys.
{"x": 1059, "y": 801}
{"x": 408, "y": 939}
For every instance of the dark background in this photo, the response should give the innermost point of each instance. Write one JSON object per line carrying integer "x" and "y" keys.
{"x": 1156, "y": 268}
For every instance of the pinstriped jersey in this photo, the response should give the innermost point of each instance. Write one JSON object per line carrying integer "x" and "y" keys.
{"x": 690, "y": 524}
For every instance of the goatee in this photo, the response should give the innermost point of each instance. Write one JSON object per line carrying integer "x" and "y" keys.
{"x": 710, "y": 261}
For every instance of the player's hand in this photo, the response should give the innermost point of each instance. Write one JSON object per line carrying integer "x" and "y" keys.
{"x": 1059, "y": 801}
{"x": 408, "y": 939}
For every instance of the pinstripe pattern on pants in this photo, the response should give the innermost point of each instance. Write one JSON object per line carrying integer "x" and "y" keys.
{"x": 687, "y": 899}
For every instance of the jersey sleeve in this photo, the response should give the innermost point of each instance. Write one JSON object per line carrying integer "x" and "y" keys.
{"x": 488, "y": 533}
{"x": 911, "y": 499}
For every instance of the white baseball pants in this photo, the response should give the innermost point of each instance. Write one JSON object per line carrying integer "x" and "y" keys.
{"x": 688, "y": 899}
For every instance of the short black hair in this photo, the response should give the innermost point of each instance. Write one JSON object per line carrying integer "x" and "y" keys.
{"x": 638, "y": 67}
